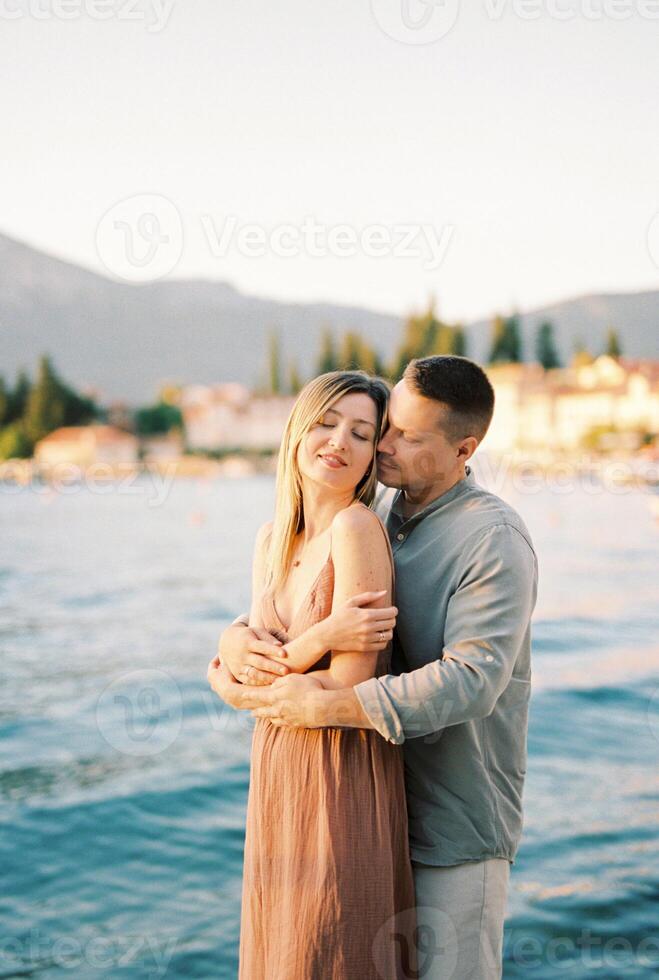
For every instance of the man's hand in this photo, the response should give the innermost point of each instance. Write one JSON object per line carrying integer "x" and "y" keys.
{"x": 353, "y": 627}
{"x": 296, "y": 701}
{"x": 253, "y": 656}
{"x": 301, "y": 701}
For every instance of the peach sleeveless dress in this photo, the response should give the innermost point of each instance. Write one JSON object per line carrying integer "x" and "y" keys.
{"x": 328, "y": 892}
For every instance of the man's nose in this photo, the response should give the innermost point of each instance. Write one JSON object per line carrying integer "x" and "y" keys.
{"x": 384, "y": 445}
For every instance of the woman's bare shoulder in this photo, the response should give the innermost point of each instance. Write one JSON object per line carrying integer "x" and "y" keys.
{"x": 263, "y": 535}
{"x": 357, "y": 520}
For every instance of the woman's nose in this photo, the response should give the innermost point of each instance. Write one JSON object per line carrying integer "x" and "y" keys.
{"x": 337, "y": 437}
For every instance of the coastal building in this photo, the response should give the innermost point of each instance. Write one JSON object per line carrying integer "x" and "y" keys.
{"x": 229, "y": 416}
{"x": 557, "y": 411}
{"x": 562, "y": 409}
{"x": 84, "y": 445}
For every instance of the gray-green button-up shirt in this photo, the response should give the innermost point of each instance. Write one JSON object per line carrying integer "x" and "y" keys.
{"x": 458, "y": 695}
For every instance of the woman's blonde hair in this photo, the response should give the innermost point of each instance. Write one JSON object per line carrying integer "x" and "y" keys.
{"x": 317, "y": 396}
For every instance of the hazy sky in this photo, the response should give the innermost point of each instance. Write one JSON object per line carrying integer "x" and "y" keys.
{"x": 524, "y": 141}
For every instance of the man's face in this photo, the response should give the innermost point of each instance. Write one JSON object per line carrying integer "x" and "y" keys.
{"x": 415, "y": 454}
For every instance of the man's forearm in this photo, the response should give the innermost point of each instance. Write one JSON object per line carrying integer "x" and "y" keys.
{"x": 341, "y": 708}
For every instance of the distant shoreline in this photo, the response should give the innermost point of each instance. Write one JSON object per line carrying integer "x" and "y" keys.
{"x": 614, "y": 468}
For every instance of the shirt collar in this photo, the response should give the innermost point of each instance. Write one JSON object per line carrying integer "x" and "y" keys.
{"x": 468, "y": 480}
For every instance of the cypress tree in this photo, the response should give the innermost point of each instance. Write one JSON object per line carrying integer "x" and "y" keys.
{"x": 46, "y": 404}
{"x": 546, "y": 350}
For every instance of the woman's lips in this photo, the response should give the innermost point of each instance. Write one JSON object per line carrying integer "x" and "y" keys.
{"x": 334, "y": 462}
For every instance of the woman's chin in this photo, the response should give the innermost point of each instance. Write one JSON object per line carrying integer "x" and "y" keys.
{"x": 335, "y": 480}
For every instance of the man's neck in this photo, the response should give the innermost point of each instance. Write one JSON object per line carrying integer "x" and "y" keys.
{"x": 415, "y": 501}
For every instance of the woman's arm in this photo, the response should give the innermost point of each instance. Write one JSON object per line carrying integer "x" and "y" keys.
{"x": 249, "y": 644}
{"x": 258, "y": 574}
{"x": 361, "y": 562}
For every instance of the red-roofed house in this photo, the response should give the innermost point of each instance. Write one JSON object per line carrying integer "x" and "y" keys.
{"x": 83, "y": 445}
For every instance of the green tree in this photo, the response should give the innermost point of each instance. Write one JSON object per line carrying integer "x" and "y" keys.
{"x": 514, "y": 338}
{"x": 425, "y": 335}
{"x": 4, "y": 402}
{"x": 46, "y": 403}
{"x": 327, "y": 360}
{"x": 545, "y": 347}
{"x": 274, "y": 363}
{"x": 582, "y": 356}
{"x": 506, "y": 340}
{"x": 17, "y": 398}
{"x": 420, "y": 338}
{"x": 78, "y": 409}
{"x": 379, "y": 366}
{"x": 459, "y": 341}
{"x": 158, "y": 419}
{"x": 294, "y": 380}
{"x": 351, "y": 353}
{"x": 499, "y": 345}
{"x": 14, "y": 442}
{"x": 613, "y": 348}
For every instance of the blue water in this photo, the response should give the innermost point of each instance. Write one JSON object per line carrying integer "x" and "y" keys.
{"x": 123, "y": 779}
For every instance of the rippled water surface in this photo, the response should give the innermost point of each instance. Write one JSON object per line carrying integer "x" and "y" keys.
{"x": 122, "y": 815}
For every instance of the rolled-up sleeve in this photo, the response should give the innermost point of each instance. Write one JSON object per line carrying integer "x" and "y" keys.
{"x": 487, "y": 620}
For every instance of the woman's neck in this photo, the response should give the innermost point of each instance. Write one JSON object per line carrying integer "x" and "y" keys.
{"x": 320, "y": 507}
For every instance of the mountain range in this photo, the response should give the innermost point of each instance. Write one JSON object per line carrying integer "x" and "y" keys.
{"x": 123, "y": 340}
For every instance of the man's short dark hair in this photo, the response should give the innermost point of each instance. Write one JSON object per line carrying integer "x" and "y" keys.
{"x": 459, "y": 384}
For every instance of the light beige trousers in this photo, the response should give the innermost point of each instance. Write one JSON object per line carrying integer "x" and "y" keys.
{"x": 460, "y": 914}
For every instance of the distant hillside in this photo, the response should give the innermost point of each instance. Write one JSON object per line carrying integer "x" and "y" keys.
{"x": 586, "y": 320}
{"x": 125, "y": 339}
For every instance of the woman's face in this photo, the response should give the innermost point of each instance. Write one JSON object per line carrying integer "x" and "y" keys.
{"x": 338, "y": 449}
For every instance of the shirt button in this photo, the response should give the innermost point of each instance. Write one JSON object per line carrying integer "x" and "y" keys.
{"x": 489, "y": 658}
{"x": 400, "y": 537}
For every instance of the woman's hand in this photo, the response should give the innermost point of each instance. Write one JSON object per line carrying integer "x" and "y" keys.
{"x": 253, "y": 656}
{"x": 232, "y": 692}
{"x": 353, "y": 627}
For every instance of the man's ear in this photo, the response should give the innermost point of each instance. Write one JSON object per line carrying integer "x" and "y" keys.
{"x": 467, "y": 448}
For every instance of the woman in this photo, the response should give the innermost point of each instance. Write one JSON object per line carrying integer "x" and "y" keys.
{"x": 327, "y": 872}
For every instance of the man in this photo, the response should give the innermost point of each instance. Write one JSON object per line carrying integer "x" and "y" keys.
{"x": 457, "y": 698}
